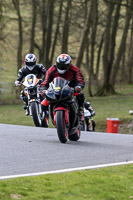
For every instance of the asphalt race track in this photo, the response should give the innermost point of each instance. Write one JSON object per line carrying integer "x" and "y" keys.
{"x": 25, "y": 149}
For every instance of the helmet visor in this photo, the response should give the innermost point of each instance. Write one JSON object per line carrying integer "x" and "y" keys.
{"x": 30, "y": 63}
{"x": 62, "y": 66}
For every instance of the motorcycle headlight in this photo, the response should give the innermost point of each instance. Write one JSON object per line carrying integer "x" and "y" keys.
{"x": 57, "y": 89}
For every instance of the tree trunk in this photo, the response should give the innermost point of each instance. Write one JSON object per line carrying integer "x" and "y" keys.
{"x": 20, "y": 41}
{"x": 66, "y": 28}
{"x": 130, "y": 57}
{"x": 89, "y": 68}
{"x": 98, "y": 57}
{"x": 56, "y": 32}
{"x": 32, "y": 39}
{"x": 93, "y": 34}
{"x": 16, "y": 4}
{"x": 109, "y": 48}
{"x": 49, "y": 31}
{"x": 44, "y": 19}
{"x": 85, "y": 36}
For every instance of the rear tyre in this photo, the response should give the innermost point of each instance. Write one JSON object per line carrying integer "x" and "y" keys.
{"x": 61, "y": 126}
{"x": 75, "y": 136}
{"x": 35, "y": 114}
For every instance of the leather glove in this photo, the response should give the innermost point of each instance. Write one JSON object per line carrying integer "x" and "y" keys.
{"x": 78, "y": 89}
{"x": 17, "y": 83}
{"x": 42, "y": 91}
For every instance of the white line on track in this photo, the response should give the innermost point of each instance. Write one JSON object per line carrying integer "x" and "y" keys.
{"x": 65, "y": 170}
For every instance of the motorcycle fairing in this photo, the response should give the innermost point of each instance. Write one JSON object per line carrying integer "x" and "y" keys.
{"x": 57, "y": 93}
{"x": 30, "y": 80}
{"x": 50, "y": 95}
{"x": 87, "y": 113}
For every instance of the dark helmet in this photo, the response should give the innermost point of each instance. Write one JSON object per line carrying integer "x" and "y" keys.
{"x": 30, "y": 61}
{"x": 63, "y": 62}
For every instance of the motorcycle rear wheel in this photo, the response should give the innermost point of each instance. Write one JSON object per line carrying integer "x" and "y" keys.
{"x": 75, "y": 136}
{"x": 35, "y": 114}
{"x": 61, "y": 126}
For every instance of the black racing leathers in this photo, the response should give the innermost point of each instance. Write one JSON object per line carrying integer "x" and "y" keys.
{"x": 39, "y": 70}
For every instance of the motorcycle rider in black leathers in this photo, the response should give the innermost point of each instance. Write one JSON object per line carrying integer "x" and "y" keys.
{"x": 30, "y": 68}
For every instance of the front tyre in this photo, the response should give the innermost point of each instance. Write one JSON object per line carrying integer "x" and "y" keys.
{"x": 61, "y": 126}
{"x": 35, "y": 114}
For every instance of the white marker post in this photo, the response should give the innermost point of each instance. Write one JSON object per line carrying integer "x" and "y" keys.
{"x": 131, "y": 113}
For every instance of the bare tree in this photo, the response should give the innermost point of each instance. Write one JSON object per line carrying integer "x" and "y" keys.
{"x": 49, "y": 31}
{"x": 130, "y": 56}
{"x": 34, "y": 14}
{"x": 66, "y": 28}
{"x": 16, "y": 4}
{"x": 99, "y": 56}
{"x": 122, "y": 44}
{"x": 93, "y": 34}
{"x": 109, "y": 47}
{"x": 85, "y": 35}
{"x": 56, "y": 32}
{"x": 43, "y": 9}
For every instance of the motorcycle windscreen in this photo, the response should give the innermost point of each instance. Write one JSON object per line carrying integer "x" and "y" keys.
{"x": 59, "y": 82}
{"x": 30, "y": 80}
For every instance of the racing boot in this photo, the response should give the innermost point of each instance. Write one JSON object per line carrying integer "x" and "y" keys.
{"x": 27, "y": 110}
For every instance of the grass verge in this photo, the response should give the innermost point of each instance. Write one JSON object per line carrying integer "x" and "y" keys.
{"x": 113, "y": 183}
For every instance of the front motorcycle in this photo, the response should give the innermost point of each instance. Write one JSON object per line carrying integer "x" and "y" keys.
{"x": 63, "y": 110}
{"x": 31, "y": 90}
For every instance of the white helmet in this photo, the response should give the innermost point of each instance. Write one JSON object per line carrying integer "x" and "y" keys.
{"x": 63, "y": 62}
{"x": 30, "y": 61}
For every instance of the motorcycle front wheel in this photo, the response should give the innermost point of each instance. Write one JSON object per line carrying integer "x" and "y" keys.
{"x": 35, "y": 114}
{"x": 61, "y": 126}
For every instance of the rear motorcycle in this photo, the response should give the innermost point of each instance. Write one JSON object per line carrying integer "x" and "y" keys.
{"x": 63, "y": 110}
{"x": 31, "y": 90}
{"x": 88, "y": 124}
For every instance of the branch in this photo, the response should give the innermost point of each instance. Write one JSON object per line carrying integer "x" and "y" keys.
{"x": 116, "y": 3}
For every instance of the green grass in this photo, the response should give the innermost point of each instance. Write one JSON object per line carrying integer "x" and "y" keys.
{"x": 113, "y": 183}
{"x": 15, "y": 114}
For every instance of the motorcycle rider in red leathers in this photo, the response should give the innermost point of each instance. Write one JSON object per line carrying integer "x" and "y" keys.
{"x": 30, "y": 68}
{"x": 63, "y": 68}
